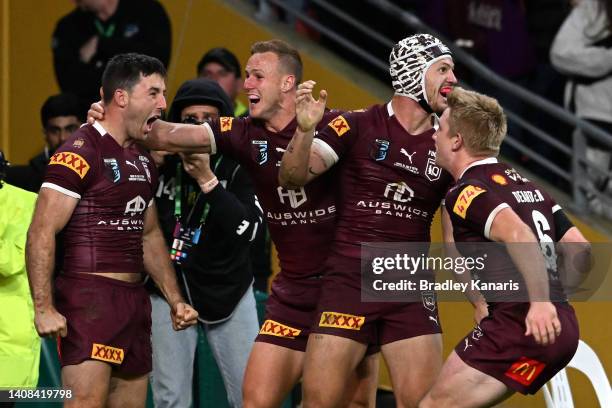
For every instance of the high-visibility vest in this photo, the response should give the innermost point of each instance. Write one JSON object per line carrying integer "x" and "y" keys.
{"x": 19, "y": 342}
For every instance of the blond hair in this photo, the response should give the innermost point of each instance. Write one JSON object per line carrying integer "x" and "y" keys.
{"x": 480, "y": 120}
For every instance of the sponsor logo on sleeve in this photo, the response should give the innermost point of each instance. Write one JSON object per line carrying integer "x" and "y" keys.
{"x": 273, "y": 328}
{"x": 341, "y": 321}
{"x": 106, "y": 353}
{"x": 465, "y": 199}
{"x": 226, "y": 123}
{"x": 78, "y": 143}
{"x": 339, "y": 125}
{"x": 525, "y": 370}
{"x": 71, "y": 160}
{"x": 499, "y": 179}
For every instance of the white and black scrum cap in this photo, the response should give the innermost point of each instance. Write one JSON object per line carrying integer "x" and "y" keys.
{"x": 409, "y": 60}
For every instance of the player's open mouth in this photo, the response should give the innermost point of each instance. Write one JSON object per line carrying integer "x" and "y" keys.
{"x": 254, "y": 99}
{"x": 446, "y": 90}
{"x": 150, "y": 122}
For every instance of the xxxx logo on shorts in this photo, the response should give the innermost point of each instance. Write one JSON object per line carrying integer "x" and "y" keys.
{"x": 107, "y": 353}
{"x": 279, "y": 330}
{"x": 340, "y": 125}
{"x": 71, "y": 160}
{"x": 525, "y": 370}
{"x": 226, "y": 123}
{"x": 341, "y": 321}
{"x": 465, "y": 199}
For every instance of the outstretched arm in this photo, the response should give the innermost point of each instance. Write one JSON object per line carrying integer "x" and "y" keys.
{"x": 167, "y": 136}
{"x": 178, "y": 137}
{"x": 302, "y": 162}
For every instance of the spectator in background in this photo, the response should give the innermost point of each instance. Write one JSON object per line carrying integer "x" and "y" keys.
{"x": 19, "y": 342}
{"x": 215, "y": 276}
{"x": 60, "y": 116}
{"x": 582, "y": 50}
{"x": 498, "y": 35}
{"x": 544, "y": 17}
{"x": 221, "y": 65}
{"x": 87, "y": 38}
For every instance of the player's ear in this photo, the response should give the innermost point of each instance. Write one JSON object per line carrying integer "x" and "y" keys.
{"x": 121, "y": 97}
{"x": 288, "y": 83}
{"x": 457, "y": 142}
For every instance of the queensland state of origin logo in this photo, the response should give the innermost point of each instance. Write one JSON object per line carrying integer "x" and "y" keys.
{"x": 260, "y": 151}
{"x": 379, "y": 150}
{"x": 113, "y": 172}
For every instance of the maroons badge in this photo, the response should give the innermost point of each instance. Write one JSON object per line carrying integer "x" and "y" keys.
{"x": 379, "y": 150}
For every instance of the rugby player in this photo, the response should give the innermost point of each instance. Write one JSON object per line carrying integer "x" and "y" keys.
{"x": 98, "y": 193}
{"x": 527, "y": 337}
{"x": 390, "y": 189}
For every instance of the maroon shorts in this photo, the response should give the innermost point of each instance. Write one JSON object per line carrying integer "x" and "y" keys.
{"x": 290, "y": 312}
{"x": 108, "y": 320}
{"x": 498, "y": 347}
{"x": 342, "y": 313}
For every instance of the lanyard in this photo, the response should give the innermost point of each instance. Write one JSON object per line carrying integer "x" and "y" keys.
{"x": 104, "y": 32}
{"x": 178, "y": 194}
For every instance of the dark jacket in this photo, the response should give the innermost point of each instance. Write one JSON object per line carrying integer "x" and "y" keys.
{"x": 30, "y": 176}
{"x": 217, "y": 272}
{"x": 137, "y": 26}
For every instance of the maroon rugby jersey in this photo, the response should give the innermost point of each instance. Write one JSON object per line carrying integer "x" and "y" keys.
{"x": 487, "y": 187}
{"x": 301, "y": 221}
{"x": 114, "y": 185}
{"x": 389, "y": 184}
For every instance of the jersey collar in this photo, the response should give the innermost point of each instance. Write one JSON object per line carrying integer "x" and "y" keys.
{"x": 488, "y": 160}
{"x": 99, "y": 128}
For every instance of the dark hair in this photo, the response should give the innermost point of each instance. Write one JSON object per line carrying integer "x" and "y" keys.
{"x": 287, "y": 55}
{"x": 64, "y": 104}
{"x": 123, "y": 72}
{"x": 221, "y": 56}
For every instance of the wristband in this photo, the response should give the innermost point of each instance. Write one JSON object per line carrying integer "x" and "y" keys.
{"x": 209, "y": 185}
